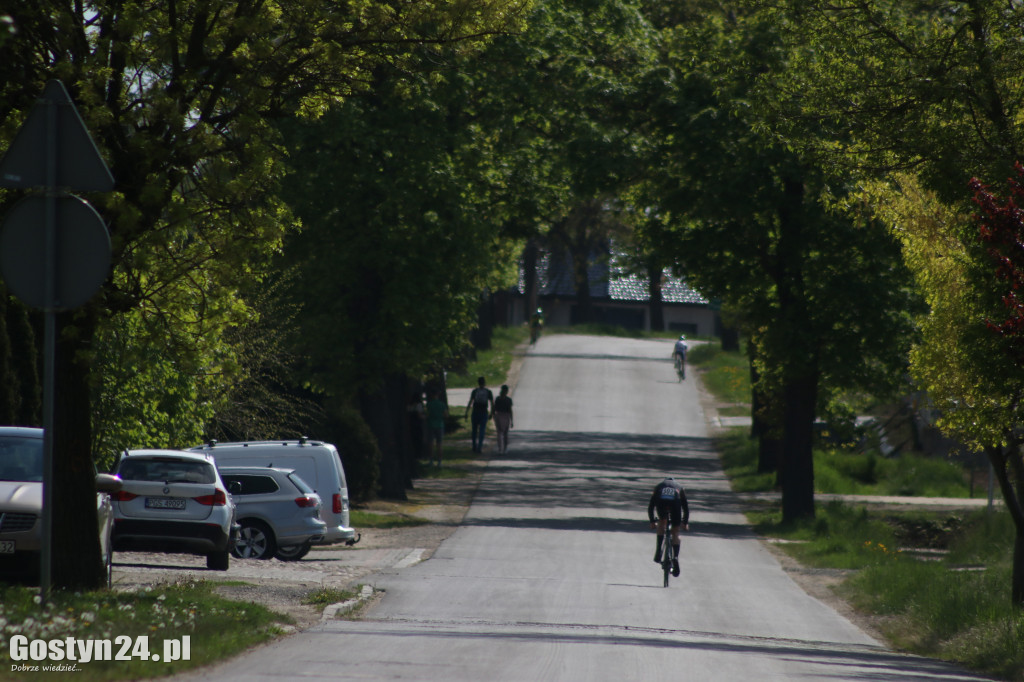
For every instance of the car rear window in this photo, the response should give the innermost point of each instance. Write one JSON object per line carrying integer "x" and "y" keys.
{"x": 166, "y": 470}
{"x": 21, "y": 459}
{"x": 252, "y": 485}
{"x": 301, "y": 484}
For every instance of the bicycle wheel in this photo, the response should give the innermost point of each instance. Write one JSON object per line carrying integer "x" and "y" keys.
{"x": 666, "y": 561}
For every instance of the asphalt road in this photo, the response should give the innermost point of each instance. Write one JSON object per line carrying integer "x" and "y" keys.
{"x": 551, "y": 576}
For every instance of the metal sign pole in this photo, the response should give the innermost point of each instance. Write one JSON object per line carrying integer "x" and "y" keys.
{"x": 74, "y": 247}
{"x": 49, "y": 352}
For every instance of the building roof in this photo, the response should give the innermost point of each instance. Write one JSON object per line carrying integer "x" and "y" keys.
{"x": 609, "y": 280}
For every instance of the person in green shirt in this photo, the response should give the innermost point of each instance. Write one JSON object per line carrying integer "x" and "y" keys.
{"x": 437, "y": 412}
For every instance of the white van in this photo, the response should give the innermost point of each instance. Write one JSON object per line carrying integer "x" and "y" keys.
{"x": 316, "y": 462}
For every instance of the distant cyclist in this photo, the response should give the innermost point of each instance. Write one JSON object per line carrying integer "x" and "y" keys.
{"x": 536, "y": 324}
{"x": 679, "y": 352}
{"x": 669, "y": 500}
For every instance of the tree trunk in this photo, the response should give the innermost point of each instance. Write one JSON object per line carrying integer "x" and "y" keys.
{"x": 76, "y": 560}
{"x": 402, "y": 385}
{"x": 530, "y": 278}
{"x": 8, "y": 387}
{"x": 26, "y": 365}
{"x": 657, "y": 306}
{"x": 767, "y": 431}
{"x": 1006, "y": 459}
{"x": 481, "y": 336}
{"x": 730, "y": 339}
{"x": 769, "y": 455}
{"x": 762, "y": 427}
{"x": 1017, "y": 579}
{"x": 797, "y": 361}
{"x": 378, "y": 412}
{"x": 581, "y": 279}
{"x": 800, "y": 395}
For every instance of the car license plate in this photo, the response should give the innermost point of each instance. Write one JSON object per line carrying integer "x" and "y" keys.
{"x": 165, "y": 503}
{"x": 6, "y": 546}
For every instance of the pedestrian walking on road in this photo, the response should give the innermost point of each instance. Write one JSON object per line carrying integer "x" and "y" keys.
{"x": 502, "y": 418}
{"x": 437, "y": 412}
{"x": 481, "y": 401}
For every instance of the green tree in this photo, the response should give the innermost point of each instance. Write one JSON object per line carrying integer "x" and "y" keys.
{"x": 925, "y": 97}
{"x": 455, "y": 168}
{"x": 821, "y": 292}
{"x": 967, "y": 359}
{"x": 572, "y": 122}
{"x": 180, "y": 97}
{"x": 930, "y": 87}
{"x": 1001, "y": 365}
{"x": 400, "y": 237}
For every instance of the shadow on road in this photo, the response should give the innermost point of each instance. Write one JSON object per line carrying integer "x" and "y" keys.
{"x": 611, "y": 472}
{"x": 606, "y": 525}
{"x": 599, "y": 356}
{"x": 860, "y": 661}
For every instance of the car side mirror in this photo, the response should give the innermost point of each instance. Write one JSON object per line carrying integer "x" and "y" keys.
{"x": 235, "y": 487}
{"x": 108, "y": 483}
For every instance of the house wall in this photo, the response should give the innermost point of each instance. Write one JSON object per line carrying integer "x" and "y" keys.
{"x": 686, "y": 318}
{"x": 691, "y": 319}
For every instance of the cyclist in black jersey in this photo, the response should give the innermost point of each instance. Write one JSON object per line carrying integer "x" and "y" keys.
{"x": 669, "y": 500}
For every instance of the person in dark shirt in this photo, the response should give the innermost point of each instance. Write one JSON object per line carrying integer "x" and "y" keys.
{"x": 502, "y": 419}
{"x": 669, "y": 500}
{"x": 481, "y": 402}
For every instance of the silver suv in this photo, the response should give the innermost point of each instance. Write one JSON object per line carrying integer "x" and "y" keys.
{"x": 174, "y": 501}
{"x": 319, "y": 465}
{"x": 275, "y": 509}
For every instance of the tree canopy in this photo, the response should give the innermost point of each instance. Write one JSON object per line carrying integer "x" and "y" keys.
{"x": 181, "y": 98}
{"x": 919, "y": 99}
{"x": 756, "y": 222}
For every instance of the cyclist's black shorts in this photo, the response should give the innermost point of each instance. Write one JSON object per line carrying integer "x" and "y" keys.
{"x": 673, "y": 510}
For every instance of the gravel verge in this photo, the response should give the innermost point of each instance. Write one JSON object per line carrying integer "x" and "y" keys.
{"x": 282, "y": 586}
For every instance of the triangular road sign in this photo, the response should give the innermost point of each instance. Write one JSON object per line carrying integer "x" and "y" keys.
{"x": 79, "y": 166}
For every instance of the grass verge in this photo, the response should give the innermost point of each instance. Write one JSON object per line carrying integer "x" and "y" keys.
{"x": 840, "y": 472}
{"x": 865, "y": 473}
{"x": 952, "y": 603}
{"x": 725, "y": 374}
{"x": 938, "y": 582}
{"x": 329, "y": 595}
{"x": 373, "y": 519}
{"x": 457, "y": 460}
{"x": 493, "y": 363}
{"x": 216, "y": 628}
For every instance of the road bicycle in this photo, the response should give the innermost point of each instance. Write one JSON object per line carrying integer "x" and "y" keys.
{"x": 667, "y": 555}
{"x": 680, "y": 366}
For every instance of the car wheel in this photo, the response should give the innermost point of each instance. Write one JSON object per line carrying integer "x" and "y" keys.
{"x": 255, "y": 541}
{"x": 293, "y": 552}
{"x": 218, "y": 561}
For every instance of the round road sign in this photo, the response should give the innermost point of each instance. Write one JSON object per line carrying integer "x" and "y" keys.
{"x": 81, "y": 258}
